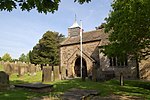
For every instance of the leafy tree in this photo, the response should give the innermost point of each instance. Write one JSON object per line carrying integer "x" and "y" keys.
{"x": 129, "y": 28}
{"x": 13, "y": 60}
{"x": 47, "y": 50}
{"x": 0, "y": 59}
{"x": 101, "y": 26}
{"x": 22, "y": 57}
{"x": 27, "y": 57}
{"x": 6, "y": 57}
{"x": 41, "y": 5}
{"x": 34, "y": 55}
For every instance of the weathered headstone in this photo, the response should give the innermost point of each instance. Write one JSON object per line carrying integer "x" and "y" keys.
{"x": 56, "y": 73}
{"x": 4, "y": 78}
{"x": 63, "y": 72}
{"x": 38, "y": 68}
{"x": 8, "y": 68}
{"x": 14, "y": 68}
{"x": 47, "y": 74}
{"x": 21, "y": 71}
{"x": 32, "y": 69}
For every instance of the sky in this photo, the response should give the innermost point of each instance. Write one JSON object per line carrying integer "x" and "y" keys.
{"x": 20, "y": 30}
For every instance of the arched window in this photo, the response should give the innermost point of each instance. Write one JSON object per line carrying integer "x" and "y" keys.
{"x": 114, "y": 61}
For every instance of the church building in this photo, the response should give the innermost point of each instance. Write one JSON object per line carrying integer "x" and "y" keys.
{"x": 94, "y": 62}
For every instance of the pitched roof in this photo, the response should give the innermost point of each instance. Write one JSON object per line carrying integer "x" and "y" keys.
{"x": 84, "y": 53}
{"x": 90, "y": 36}
{"x": 75, "y": 24}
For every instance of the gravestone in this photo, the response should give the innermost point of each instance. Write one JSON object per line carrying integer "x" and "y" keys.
{"x": 8, "y": 68}
{"x": 14, "y": 68}
{"x": 56, "y": 72}
{"x": 4, "y": 78}
{"x": 21, "y": 71}
{"x": 47, "y": 74}
{"x": 32, "y": 69}
{"x": 38, "y": 68}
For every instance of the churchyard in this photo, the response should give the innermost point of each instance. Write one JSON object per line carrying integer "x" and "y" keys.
{"x": 132, "y": 89}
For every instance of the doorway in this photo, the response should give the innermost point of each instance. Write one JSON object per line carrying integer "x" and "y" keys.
{"x": 77, "y": 67}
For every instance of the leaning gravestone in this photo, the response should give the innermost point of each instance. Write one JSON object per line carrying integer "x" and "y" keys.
{"x": 4, "y": 80}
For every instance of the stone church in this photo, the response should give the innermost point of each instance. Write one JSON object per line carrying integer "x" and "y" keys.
{"x": 95, "y": 63}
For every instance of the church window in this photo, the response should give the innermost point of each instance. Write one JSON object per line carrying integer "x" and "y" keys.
{"x": 114, "y": 61}
{"x": 110, "y": 61}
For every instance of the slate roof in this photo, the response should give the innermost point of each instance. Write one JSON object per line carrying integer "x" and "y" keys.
{"x": 90, "y": 36}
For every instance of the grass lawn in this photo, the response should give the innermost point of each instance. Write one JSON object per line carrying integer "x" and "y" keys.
{"x": 1, "y": 67}
{"x": 131, "y": 88}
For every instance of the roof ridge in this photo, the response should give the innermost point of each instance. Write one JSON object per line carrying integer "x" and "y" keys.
{"x": 93, "y": 30}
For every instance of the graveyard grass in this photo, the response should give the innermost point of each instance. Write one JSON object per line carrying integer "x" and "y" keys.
{"x": 1, "y": 68}
{"x": 107, "y": 88}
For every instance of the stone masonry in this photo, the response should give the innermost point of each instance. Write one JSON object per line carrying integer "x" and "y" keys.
{"x": 69, "y": 55}
{"x": 93, "y": 58}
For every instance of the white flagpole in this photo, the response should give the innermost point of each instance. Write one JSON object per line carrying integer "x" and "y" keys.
{"x": 81, "y": 45}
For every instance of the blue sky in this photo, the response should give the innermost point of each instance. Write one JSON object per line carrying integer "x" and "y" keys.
{"x": 20, "y": 30}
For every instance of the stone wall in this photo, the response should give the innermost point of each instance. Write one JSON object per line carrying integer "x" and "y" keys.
{"x": 69, "y": 54}
{"x": 128, "y": 71}
{"x": 73, "y": 31}
{"x": 145, "y": 69}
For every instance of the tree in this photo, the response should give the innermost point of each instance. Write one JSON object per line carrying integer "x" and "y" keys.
{"x": 27, "y": 57}
{"x": 14, "y": 60}
{"x": 101, "y": 26}
{"x": 6, "y": 57}
{"x": 129, "y": 28}
{"x": 22, "y": 57}
{"x": 34, "y": 55}
{"x": 47, "y": 50}
{"x": 41, "y": 5}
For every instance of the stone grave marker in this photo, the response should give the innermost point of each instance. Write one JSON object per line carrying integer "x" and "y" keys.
{"x": 8, "y": 68}
{"x": 32, "y": 69}
{"x": 14, "y": 68}
{"x": 21, "y": 71}
{"x": 38, "y": 68}
{"x": 56, "y": 73}
{"x": 4, "y": 79}
{"x": 47, "y": 74}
